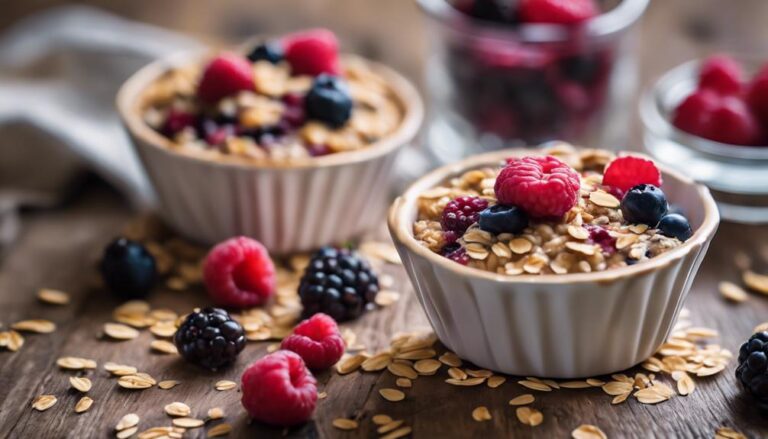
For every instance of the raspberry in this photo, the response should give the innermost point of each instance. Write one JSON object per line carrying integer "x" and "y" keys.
{"x": 456, "y": 253}
{"x": 225, "y": 75}
{"x": 695, "y": 112}
{"x": 239, "y": 273}
{"x": 733, "y": 123}
{"x": 461, "y": 213}
{"x": 600, "y": 236}
{"x": 624, "y": 173}
{"x": 317, "y": 340}
{"x": 541, "y": 186}
{"x": 279, "y": 390}
{"x": 757, "y": 96}
{"x": 312, "y": 52}
{"x": 557, "y": 11}
{"x": 176, "y": 121}
{"x": 721, "y": 74}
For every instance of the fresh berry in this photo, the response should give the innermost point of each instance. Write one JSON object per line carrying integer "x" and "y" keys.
{"x": 600, "y": 236}
{"x": 644, "y": 204}
{"x": 500, "y": 218}
{"x": 675, "y": 225}
{"x": 624, "y": 173}
{"x": 694, "y": 114}
{"x": 312, "y": 52}
{"x": 239, "y": 273}
{"x": 317, "y": 341}
{"x": 278, "y": 389}
{"x": 722, "y": 74}
{"x": 339, "y": 283}
{"x": 225, "y": 75}
{"x": 757, "y": 96}
{"x": 456, "y": 253}
{"x": 541, "y": 186}
{"x": 499, "y": 11}
{"x": 462, "y": 212}
{"x": 734, "y": 124}
{"x": 557, "y": 11}
{"x": 268, "y": 51}
{"x": 210, "y": 338}
{"x": 329, "y": 101}
{"x": 176, "y": 121}
{"x": 128, "y": 269}
{"x": 752, "y": 371}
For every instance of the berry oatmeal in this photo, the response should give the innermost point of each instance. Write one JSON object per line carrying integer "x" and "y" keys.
{"x": 285, "y": 100}
{"x": 566, "y": 211}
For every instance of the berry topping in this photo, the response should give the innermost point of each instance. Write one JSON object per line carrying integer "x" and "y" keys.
{"x": 644, "y": 204}
{"x": 757, "y": 96}
{"x": 239, "y": 273}
{"x": 279, "y": 390}
{"x": 210, "y": 338}
{"x": 499, "y": 11}
{"x": 339, "y": 283}
{"x": 733, "y": 123}
{"x": 624, "y": 173}
{"x": 268, "y": 51}
{"x": 225, "y": 75}
{"x": 503, "y": 219}
{"x": 317, "y": 341}
{"x": 456, "y": 253}
{"x": 541, "y": 186}
{"x": 176, "y": 121}
{"x": 329, "y": 100}
{"x": 722, "y": 74}
{"x": 312, "y": 52}
{"x": 462, "y": 212}
{"x": 752, "y": 371}
{"x": 675, "y": 225}
{"x": 128, "y": 269}
{"x": 694, "y": 114}
{"x": 557, "y": 11}
{"x": 600, "y": 236}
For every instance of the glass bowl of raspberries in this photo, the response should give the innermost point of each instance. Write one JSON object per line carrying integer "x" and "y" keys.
{"x": 515, "y": 73}
{"x": 556, "y": 262}
{"x": 709, "y": 119}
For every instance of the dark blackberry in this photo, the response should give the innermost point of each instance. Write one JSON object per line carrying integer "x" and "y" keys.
{"x": 462, "y": 212}
{"x": 128, "y": 269}
{"x": 268, "y": 51}
{"x": 339, "y": 283}
{"x": 456, "y": 253}
{"x": 752, "y": 371}
{"x": 210, "y": 338}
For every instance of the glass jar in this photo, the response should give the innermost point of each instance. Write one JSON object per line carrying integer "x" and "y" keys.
{"x": 736, "y": 175}
{"x": 495, "y": 86}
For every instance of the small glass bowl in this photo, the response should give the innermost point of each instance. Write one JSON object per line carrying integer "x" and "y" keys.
{"x": 736, "y": 175}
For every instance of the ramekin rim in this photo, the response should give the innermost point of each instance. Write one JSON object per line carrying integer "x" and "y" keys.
{"x": 405, "y": 92}
{"x": 401, "y": 229}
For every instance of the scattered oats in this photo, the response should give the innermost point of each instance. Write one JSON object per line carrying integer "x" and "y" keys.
{"x": 163, "y": 346}
{"x": 377, "y": 362}
{"x": 656, "y": 393}
{"x": 685, "y": 384}
{"x": 164, "y": 315}
{"x": 350, "y": 364}
{"x": 215, "y": 413}
{"x": 420, "y": 354}
{"x": 43, "y": 402}
{"x": 219, "y": 430}
{"x": 696, "y": 334}
{"x": 38, "y": 326}
{"x": 119, "y": 369}
{"x": 119, "y": 331}
{"x": 479, "y": 373}
{"x": 157, "y": 433}
{"x": 168, "y": 384}
{"x": 728, "y": 433}
{"x": 533, "y": 385}
{"x": 381, "y": 419}
{"x": 389, "y": 426}
{"x": 13, "y": 340}
{"x": 176, "y": 284}
{"x": 127, "y": 421}
{"x": 587, "y": 431}
{"x": 427, "y": 367}
{"x": 163, "y": 329}
{"x": 387, "y": 297}
{"x": 322, "y": 395}
{"x": 128, "y": 432}
{"x": 523, "y": 399}
{"x": 575, "y": 385}
{"x": 81, "y": 384}
{"x": 177, "y": 409}
{"x": 732, "y": 292}
{"x": 618, "y": 399}
{"x": 755, "y": 282}
{"x": 529, "y": 416}
{"x": 75, "y": 363}
{"x": 495, "y": 381}
{"x": 404, "y": 383}
{"x": 481, "y": 414}
{"x": 594, "y": 382}
{"x": 136, "y": 381}
{"x": 381, "y": 250}
{"x": 400, "y": 432}
{"x": 53, "y": 297}
{"x": 402, "y": 370}
{"x": 450, "y": 359}
{"x": 225, "y": 385}
{"x": 345, "y": 424}
{"x": 466, "y": 382}
{"x": 457, "y": 373}
{"x": 188, "y": 422}
{"x": 392, "y": 395}
{"x": 83, "y": 404}
{"x": 615, "y": 388}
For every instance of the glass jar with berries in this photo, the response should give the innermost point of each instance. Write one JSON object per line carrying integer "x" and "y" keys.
{"x": 506, "y": 73}
{"x": 709, "y": 119}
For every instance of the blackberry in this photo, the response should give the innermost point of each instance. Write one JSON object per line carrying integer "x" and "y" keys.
{"x": 752, "y": 371}
{"x": 210, "y": 338}
{"x": 268, "y": 51}
{"x": 462, "y": 212}
{"x": 128, "y": 269}
{"x": 456, "y": 253}
{"x": 339, "y": 283}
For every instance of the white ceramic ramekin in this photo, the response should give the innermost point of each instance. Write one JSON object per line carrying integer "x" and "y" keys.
{"x": 289, "y": 208}
{"x": 563, "y": 326}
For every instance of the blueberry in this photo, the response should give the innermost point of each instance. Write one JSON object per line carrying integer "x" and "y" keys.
{"x": 675, "y": 226}
{"x": 492, "y": 10}
{"x": 644, "y": 204}
{"x": 503, "y": 219}
{"x": 269, "y": 51}
{"x": 329, "y": 100}
{"x": 128, "y": 269}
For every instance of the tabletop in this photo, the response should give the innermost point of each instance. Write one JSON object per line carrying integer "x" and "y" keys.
{"x": 58, "y": 249}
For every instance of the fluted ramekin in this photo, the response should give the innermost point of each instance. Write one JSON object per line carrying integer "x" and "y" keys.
{"x": 560, "y": 326}
{"x": 288, "y": 207}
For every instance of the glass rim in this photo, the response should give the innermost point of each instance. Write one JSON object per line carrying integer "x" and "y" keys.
{"x": 621, "y": 17}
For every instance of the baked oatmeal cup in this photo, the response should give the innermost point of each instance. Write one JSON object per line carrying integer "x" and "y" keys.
{"x": 287, "y": 142}
{"x": 558, "y": 262}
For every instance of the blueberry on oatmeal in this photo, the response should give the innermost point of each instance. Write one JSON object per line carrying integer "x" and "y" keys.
{"x": 644, "y": 204}
{"x": 329, "y": 100}
{"x": 269, "y": 51}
